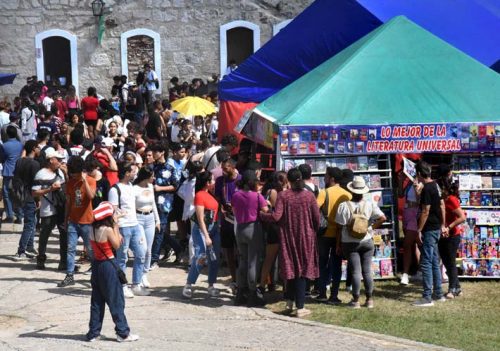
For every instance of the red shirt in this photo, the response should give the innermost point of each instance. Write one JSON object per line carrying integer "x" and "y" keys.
{"x": 111, "y": 176}
{"x": 101, "y": 250}
{"x": 203, "y": 198}
{"x": 451, "y": 204}
{"x": 89, "y": 107}
{"x": 62, "y": 108}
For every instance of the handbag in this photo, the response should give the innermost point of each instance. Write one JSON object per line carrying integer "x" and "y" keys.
{"x": 323, "y": 219}
{"x": 208, "y": 217}
{"x": 121, "y": 274}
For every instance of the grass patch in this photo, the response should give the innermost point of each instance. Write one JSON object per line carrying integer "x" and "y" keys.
{"x": 470, "y": 322}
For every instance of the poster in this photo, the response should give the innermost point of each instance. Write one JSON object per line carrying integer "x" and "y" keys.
{"x": 409, "y": 169}
{"x": 411, "y": 138}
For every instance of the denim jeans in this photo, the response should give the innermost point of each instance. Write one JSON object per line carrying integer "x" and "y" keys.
{"x": 200, "y": 250}
{"x": 163, "y": 237}
{"x": 74, "y": 231}
{"x": 106, "y": 289}
{"x": 27, "y": 239}
{"x": 147, "y": 222}
{"x": 330, "y": 266}
{"x": 9, "y": 210}
{"x": 134, "y": 238}
{"x": 429, "y": 264}
{"x": 47, "y": 226}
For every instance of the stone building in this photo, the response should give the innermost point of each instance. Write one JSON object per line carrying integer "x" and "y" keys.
{"x": 57, "y": 40}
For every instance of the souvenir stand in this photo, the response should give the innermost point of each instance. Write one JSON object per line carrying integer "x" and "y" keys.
{"x": 397, "y": 90}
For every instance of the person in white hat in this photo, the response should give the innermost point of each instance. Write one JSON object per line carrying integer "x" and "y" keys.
{"x": 359, "y": 248}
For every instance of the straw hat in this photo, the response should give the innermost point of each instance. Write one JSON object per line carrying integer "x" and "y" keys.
{"x": 358, "y": 186}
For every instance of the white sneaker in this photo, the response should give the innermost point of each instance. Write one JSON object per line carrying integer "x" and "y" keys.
{"x": 405, "y": 280}
{"x": 127, "y": 292}
{"x": 213, "y": 291}
{"x": 187, "y": 291}
{"x": 138, "y": 290}
{"x": 153, "y": 266}
{"x": 145, "y": 282}
{"x": 289, "y": 305}
{"x": 349, "y": 288}
{"x": 130, "y": 337}
{"x": 423, "y": 303}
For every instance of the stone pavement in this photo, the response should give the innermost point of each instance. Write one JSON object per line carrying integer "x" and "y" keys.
{"x": 36, "y": 315}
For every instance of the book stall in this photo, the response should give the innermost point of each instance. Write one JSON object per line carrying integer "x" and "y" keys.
{"x": 381, "y": 97}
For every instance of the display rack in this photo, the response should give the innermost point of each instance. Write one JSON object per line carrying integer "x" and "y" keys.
{"x": 479, "y": 189}
{"x": 377, "y": 172}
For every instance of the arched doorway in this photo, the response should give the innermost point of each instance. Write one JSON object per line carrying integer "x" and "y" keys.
{"x": 238, "y": 41}
{"x": 57, "y": 58}
{"x": 139, "y": 46}
{"x": 280, "y": 26}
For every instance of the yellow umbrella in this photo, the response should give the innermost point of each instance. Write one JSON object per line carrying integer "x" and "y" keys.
{"x": 193, "y": 106}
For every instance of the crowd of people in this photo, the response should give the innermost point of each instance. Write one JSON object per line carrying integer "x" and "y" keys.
{"x": 117, "y": 171}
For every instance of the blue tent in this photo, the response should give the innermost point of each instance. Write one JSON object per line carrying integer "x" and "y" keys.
{"x": 7, "y": 78}
{"x": 322, "y": 30}
{"x": 328, "y": 26}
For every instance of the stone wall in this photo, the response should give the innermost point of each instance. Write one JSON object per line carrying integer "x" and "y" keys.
{"x": 189, "y": 31}
{"x": 140, "y": 50}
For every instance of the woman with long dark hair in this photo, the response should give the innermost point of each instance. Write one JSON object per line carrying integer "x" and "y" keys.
{"x": 147, "y": 213}
{"x": 276, "y": 184}
{"x": 297, "y": 215}
{"x": 106, "y": 286}
{"x": 205, "y": 236}
{"x": 247, "y": 203}
{"x": 450, "y": 239}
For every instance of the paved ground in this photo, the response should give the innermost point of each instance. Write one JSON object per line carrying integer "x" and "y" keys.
{"x": 36, "y": 315}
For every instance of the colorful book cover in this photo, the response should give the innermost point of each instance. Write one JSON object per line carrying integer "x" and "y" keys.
{"x": 294, "y": 136}
{"x": 386, "y": 268}
{"x": 495, "y": 233}
{"x": 305, "y": 135}
{"x": 363, "y": 163}
{"x": 491, "y": 249}
{"x": 495, "y": 268}
{"x": 387, "y": 197}
{"x": 475, "y": 181}
{"x": 496, "y": 182}
{"x": 463, "y": 163}
{"x": 482, "y": 143}
{"x": 489, "y": 163}
{"x": 464, "y": 198}
{"x": 320, "y": 165}
{"x": 482, "y": 131}
{"x": 323, "y": 135}
{"x": 352, "y": 163}
{"x": 483, "y": 233}
{"x": 486, "y": 198}
{"x": 464, "y": 182}
{"x": 322, "y": 147}
{"x": 312, "y": 147}
{"x": 475, "y": 164}
{"x": 350, "y": 147}
{"x": 475, "y": 198}
{"x": 496, "y": 199}
{"x": 311, "y": 162}
{"x": 373, "y": 163}
{"x": 469, "y": 267}
{"x": 486, "y": 182}
{"x": 341, "y": 162}
{"x": 360, "y": 147}
{"x": 303, "y": 147}
{"x": 334, "y": 136}
{"x": 354, "y": 134}
{"x": 331, "y": 162}
{"x": 289, "y": 164}
{"x": 343, "y": 134}
{"x": 490, "y": 130}
{"x": 314, "y": 135}
{"x": 294, "y": 148}
{"x": 387, "y": 253}
{"x": 465, "y": 131}
{"x": 331, "y": 147}
{"x": 375, "y": 181}
{"x": 464, "y": 142}
{"x": 473, "y": 130}
{"x": 372, "y": 134}
{"x": 363, "y": 134}
{"x": 341, "y": 147}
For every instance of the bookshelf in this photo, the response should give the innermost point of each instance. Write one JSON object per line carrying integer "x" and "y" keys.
{"x": 478, "y": 176}
{"x": 377, "y": 172}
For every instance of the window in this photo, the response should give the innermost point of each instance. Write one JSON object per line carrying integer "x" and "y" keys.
{"x": 140, "y": 46}
{"x": 238, "y": 41}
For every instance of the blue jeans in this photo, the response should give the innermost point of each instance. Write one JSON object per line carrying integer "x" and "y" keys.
{"x": 27, "y": 240}
{"x": 330, "y": 266}
{"x": 9, "y": 210}
{"x": 74, "y": 231}
{"x": 429, "y": 264}
{"x": 163, "y": 237}
{"x": 106, "y": 289}
{"x": 147, "y": 222}
{"x": 200, "y": 249}
{"x": 135, "y": 238}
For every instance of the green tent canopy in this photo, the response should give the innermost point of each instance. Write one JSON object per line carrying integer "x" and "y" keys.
{"x": 399, "y": 73}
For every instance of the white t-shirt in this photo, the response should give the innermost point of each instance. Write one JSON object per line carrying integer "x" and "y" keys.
{"x": 47, "y": 102}
{"x": 127, "y": 204}
{"x": 4, "y": 118}
{"x": 213, "y": 160}
{"x": 372, "y": 211}
{"x": 45, "y": 175}
{"x": 145, "y": 200}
